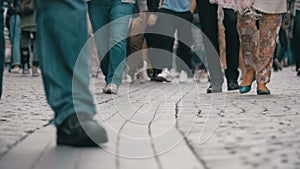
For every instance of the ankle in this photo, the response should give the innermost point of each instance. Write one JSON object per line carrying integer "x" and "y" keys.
{"x": 248, "y": 78}
{"x": 262, "y": 86}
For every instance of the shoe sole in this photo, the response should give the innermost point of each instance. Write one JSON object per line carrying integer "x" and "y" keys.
{"x": 162, "y": 79}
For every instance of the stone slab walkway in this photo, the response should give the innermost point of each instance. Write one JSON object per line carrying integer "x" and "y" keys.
{"x": 159, "y": 125}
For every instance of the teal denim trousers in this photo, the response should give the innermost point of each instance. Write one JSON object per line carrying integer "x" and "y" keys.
{"x": 61, "y": 35}
{"x": 110, "y": 23}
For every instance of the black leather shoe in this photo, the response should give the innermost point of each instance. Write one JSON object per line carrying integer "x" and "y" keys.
{"x": 85, "y": 132}
{"x": 298, "y": 73}
{"x": 214, "y": 89}
{"x": 233, "y": 85}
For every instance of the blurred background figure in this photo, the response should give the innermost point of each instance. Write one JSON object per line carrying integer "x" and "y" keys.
{"x": 136, "y": 64}
{"x": 296, "y": 36}
{"x": 13, "y": 24}
{"x": 2, "y": 45}
{"x": 209, "y": 26}
{"x": 103, "y": 12}
{"x": 28, "y": 40}
{"x": 170, "y": 26}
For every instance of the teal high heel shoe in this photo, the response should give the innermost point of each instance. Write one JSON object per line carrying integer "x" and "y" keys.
{"x": 263, "y": 92}
{"x": 245, "y": 89}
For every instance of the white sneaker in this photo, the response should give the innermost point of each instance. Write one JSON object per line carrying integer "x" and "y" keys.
{"x": 142, "y": 75}
{"x": 197, "y": 75}
{"x": 165, "y": 75}
{"x": 183, "y": 78}
{"x": 111, "y": 89}
{"x": 15, "y": 70}
{"x": 174, "y": 73}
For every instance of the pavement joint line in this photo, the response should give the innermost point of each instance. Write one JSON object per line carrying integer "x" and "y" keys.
{"x": 157, "y": 159}
{"x": 33, "y": 166}
{"x": 117, "y": 161}
{"x": 187, "y": 142}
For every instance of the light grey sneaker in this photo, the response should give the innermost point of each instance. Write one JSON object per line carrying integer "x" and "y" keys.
{"x": 111, "y": 89}
{"x": 16, "y": 69}
{"x": 35, "y": 73}
{"x": 197, "y": 75}
{"x": 165, "y": 75}
{"x": 183, "y": 78}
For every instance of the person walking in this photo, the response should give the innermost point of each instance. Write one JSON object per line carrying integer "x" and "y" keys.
{"x": 62, "y": 32}
{"x": 113, "y": 37}
{"x": 258, "y": 43}
{"x": 15, "y": 35}
{"x": 28, "y": 40}
{"x": 209, "y": 26}
{"x": 166, "y": 26}
{"x": 2, "y": 46}
{"x": 296, "y": 36}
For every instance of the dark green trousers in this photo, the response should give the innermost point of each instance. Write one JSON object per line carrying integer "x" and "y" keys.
{"x": 2, "y": 46}
{"x": 61, "y": 35}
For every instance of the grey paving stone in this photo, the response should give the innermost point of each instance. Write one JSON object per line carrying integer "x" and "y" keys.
{"x": 159, "y": 125}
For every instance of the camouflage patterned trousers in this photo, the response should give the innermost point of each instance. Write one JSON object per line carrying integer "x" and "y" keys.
{"x": 258, "y": 42}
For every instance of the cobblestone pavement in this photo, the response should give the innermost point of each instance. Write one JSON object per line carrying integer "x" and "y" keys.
{"x": 23, "y": 109}
{"x": 148, "y": 122}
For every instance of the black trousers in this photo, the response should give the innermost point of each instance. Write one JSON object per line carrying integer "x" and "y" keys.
{"x": 296, "y": 40}
{"x": 167, "y": 23}
{"x": 209, "y": 25}
{"x": 232, "y": 45}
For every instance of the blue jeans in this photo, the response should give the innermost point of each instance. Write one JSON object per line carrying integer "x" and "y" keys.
{"x": 15, "y": 33}
{"x": 62, "y": 33}
{"x": 113, "y": 36}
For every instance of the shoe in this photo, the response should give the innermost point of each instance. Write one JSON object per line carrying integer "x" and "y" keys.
{"x": 35, "y": 73}
{"x": 277, "y": 65}
{"x": 197, "y": 75}
{"x": 111, "y": 89}
{"x": 298, "y": 73}
{"x": 164, "y": 76}
{"x": 174, "y": 73}
{"x": 232, "y": 85}
{"x": 16, "y": 69}
{"x": 26, "y": 69}
{"x": 263, "y": 92}
{"x": 214, "y": 89}
{"x": 262, "y": 89}
{"x": 77, "y": 129}
{"x": 245, "y": 89}
{"x": 142, "y": 75}
{"x": 183, "y": 77}
{"x": 249, "y": 77}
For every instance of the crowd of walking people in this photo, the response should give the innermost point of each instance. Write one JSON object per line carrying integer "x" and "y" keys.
{"x": 253, "y": 42}
{"x": 259, "y": 34}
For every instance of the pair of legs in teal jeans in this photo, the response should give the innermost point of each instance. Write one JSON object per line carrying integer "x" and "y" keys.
{"x": 110, "y": 23}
